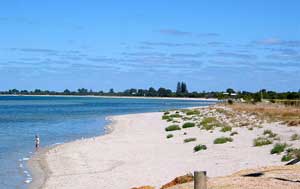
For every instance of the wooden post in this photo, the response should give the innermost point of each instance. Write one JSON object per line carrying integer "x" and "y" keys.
{"x": 200, "y": 180}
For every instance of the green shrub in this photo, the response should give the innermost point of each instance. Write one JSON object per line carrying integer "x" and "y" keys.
{"x": 175, "y": 115}
{"x": 172, "y": 128}
{"x": 170, "y": 135}
{"x": 199, "y": 147}
{"x": 295, "y": 137}
{"x": 269, "y": 133}
{"x": 209, "y": 123}
{"x": 165, "y": 117}
{"x": 226, "y": 128}
{"x": 208, "y": 120}
{"x": 188, "y": 124}
{"x": 278, "y": 148}
{"x": 192, "y": 112}
{"x": 166, "y": 113}
{"x": 222, "y": 140}
{"x": 189, "y": 140}
{"x": 261, "y": 141}
{"x": 234, "y": 133}
{"x": 287, "y": 157}
{"x": 291, "y": 153}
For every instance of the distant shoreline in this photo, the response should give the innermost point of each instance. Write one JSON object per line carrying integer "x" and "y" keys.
{"x": 130, "y": 97}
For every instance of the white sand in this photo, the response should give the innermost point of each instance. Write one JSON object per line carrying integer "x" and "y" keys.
{"x": 137, "y": 153}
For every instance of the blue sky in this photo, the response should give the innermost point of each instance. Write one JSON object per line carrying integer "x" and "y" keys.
{"x": 211, "y": 45}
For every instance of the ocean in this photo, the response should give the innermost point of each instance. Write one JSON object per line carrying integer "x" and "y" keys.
{"x": 58, "y": 120}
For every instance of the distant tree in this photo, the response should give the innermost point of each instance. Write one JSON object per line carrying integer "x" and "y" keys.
{"x": 111, "y": 91}
{"x": 178, "y": 88}
{"x": 152, "y": 92}
{"x": 162, "y": 92}
{"x": 184, "y": 88}
{"x": 230, "y": 91}
{"x": 67, "y": 91}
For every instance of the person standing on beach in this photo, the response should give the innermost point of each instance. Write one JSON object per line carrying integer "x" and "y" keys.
{"x": 37, "y": 142}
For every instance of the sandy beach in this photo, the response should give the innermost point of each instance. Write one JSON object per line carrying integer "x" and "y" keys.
{"x": 136, "y": 152}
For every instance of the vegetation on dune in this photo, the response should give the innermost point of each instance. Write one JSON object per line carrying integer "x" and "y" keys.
{"x": 188, "y": 124}
{"x": 200, "y": 147}
{"x": 269, "y": 133}
{"x": 271, "y": 112}
{"x": 291, "y": 153}
{"x": 209, "y": 123}
{"x": 170, "y": 135}
{"x": 192, "y": 112}
{"x": 189, "y": 140}
{"x": 261, "y": 141}
{"x": 222, "y": 140}
{"x": 278, "y": 148}
{"x": 172, "y": 128}
{"x": 295, "y": 137}
{"x": 234, "y": 133}
{"x": 226, "y": 128}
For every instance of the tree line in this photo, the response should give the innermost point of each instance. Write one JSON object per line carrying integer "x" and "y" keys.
{"x": 181, "y": 91}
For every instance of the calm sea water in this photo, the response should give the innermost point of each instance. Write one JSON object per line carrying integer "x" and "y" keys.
{"x": 58, "y": 120}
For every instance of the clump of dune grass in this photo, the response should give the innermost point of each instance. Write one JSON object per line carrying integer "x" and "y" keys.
{"x": 261, "y": 141}
{"x": 170, "y": 136}
{"x": 295, "y": 137}
{"x": 234, "y": 133}
{"x": 226, "y": 128}
{"x": 172, "y": 128}
{"x": 165, "y": 117}
{"x": 209, "y": 123}
{"x": 291, "y": 153}
{"x": 269, "y": 133}
{"x": 278, "y": 148}
{"x": 200, "y": 147}
{"x": 271, "y": 112}
{"x": 189, "y": 140}
{"x": 176, "y": 115}
{"x": 192, "y": 112}
{"x": 188, "y": 124}
{"x": 222, "y": 140}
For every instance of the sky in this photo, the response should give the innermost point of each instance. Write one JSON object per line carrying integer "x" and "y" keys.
{"x": 211, "y": 45}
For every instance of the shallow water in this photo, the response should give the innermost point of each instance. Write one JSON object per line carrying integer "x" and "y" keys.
{"x": 58, "y": 120}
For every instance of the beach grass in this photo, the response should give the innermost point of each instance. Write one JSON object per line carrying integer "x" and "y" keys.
{"x": 170, "y": 135}
{"x": 295, "y": 137}
{"x": 261, "y": 141}
{"x": 278, "y": 148}
{"x": 172, "y": 128}
{"x": 226, "y": 128}
{"x": 222, "y": 140}
{"x": 188, "y": 125}
{"x": 200, "y": 147}
{"x": 189, "y": 140}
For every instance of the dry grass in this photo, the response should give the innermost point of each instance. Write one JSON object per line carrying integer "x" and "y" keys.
{"x": 179, "y": 180}
{"x": 271, "y": 112}
{"x": 274, "y": 177}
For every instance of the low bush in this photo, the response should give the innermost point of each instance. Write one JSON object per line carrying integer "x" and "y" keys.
{"x": 234, "y": 133}
{"x": 189, "y": 140}
{"x": 291, "y": 153}
{"x": 172, "y": 128}
{"x": 269, "y": 133}
{"x": 165, "y": 117}
{"x": 209, "y": 123}
{"x": 177, "y": 115}
{"x": 199, "y": 147}
{"x": 192, "y": 112}
{"x": 170, "y": 135}
{"x": 222, "y": 140}
{"x": 188, "y": 124}
{"x": 295, "y": 137}
{"x": 226, "y": 128}
{"x": 278, "y": 148}
{"x": 287, "y": 157}
{"x": 261, "y": 141}
{"x": 166, "y": 113}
